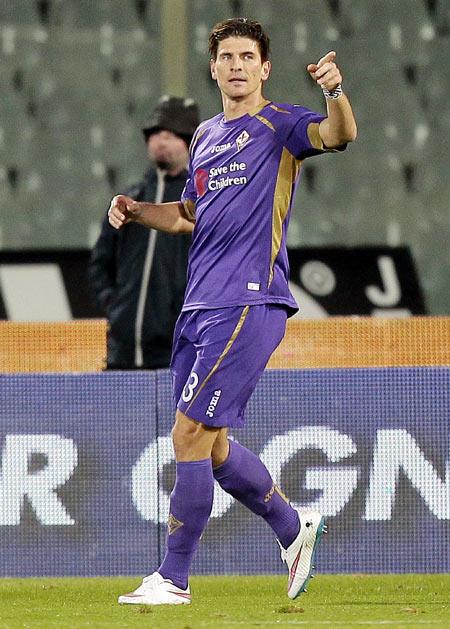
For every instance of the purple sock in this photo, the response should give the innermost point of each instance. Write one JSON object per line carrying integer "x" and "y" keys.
{"x": 190, "y": 506}
{"x": 246, "y": 478}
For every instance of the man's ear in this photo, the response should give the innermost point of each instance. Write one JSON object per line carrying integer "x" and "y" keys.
{"x": 212, "y": 67}
{"x": 266, "y": 68}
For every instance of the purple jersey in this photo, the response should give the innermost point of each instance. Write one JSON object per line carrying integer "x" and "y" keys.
{"x": 241, "y": 183}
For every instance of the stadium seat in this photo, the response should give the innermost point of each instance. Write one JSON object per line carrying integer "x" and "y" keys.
{"x": 442, "y": 17}
{"x": 84, "y": 14}
{"x": 432, "y": 82}
{"x": 132, "y": 62}
{"x": 432, "y": 178}
{"x": 315, "y": 224}
{"x": 23, "y": 48}
{"x": 404, "y": 25}
{"x": 124, "y": 152}
{"x": 304, "y": 29}
{"x": 18, "y": 13}
{"x": 16, "y": 127}
{"x": 350, "y": 18}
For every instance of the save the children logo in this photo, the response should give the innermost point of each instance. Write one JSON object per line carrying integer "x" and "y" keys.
{"x": 219, "y": 177}
{"x": 201, "y": 181}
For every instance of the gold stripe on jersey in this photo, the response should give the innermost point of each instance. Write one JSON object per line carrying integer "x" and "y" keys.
{"x": 314, "y": 136}
{"x": 228, "y": 346}
{"x": 316, "y": 141}
{"x": 258, "y": 108}
{"x": 287, "y": 174}
{"x": 196, "y": 138}
{"x": 282, "y": 111}
{"x": 265, "y": 121}
{"x": 189, "y": 208}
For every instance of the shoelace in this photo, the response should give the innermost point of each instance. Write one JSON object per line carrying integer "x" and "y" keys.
{"x": 150, "y": 581}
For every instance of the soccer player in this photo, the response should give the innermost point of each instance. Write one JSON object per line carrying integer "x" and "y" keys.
{"x": 243, "y": 171}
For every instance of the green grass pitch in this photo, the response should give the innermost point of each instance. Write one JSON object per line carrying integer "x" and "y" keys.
{"x": 332, "y": 600}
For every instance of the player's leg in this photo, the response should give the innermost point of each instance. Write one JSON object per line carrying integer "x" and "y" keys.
{"x": 243, "y": 475}
{"x": 221, "y": 448}
{"x": 234, "y": 347}
{"x": 192, "y": 496}
{"x": 246, "y": 478}
{"x": 190, "y": 507}
{"x": 195, "y": 358}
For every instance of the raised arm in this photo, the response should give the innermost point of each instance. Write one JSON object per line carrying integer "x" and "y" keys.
{"x": 340, "y": 125}
{"x": 166, "y": 217}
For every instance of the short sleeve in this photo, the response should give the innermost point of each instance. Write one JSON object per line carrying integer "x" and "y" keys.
{"x": 302, "y": 138}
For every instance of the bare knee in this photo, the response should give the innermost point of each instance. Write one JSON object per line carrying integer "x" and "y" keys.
{"x": 185, "y": 431}
{"x": 192, "y": 441}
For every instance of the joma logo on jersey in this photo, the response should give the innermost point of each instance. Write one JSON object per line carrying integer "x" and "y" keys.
{"x": 221, "y": 147}
{"x": 242, "y": 140}
{"x": 213, "y": 403}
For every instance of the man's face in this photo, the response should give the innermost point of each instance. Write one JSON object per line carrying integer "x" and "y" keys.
{"x": 168, "y": 151}
{"x": 238, "y": 68}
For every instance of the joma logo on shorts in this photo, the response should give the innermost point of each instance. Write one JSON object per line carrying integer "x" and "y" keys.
{"x": 213, "y": 403}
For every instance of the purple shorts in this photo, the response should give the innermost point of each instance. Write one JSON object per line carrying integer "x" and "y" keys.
{"x": 218, "y": 357}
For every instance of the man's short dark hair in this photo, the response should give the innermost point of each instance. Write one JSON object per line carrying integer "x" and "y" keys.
{"x": 239, "y": 27}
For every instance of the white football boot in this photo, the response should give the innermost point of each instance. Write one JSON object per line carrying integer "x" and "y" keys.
{"x": 299, "y": 556}
{"x": 155, "y": 590}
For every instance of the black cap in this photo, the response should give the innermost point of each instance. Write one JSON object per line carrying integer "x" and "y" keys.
{"x": 178, "y": 115}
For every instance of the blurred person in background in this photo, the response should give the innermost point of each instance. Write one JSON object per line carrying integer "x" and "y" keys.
{"x": 137, "y": 275}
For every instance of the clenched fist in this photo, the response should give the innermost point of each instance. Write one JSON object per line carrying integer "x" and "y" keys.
{"x": 122, "y": 210}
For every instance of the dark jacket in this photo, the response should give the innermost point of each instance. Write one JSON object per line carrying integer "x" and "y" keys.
{"x": 138, "y": 277}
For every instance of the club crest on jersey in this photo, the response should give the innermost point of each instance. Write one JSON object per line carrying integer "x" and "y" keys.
{"x": 173, "y": 524}
{"x": 242, "y": 140}
{"x": 201, "y": 181}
